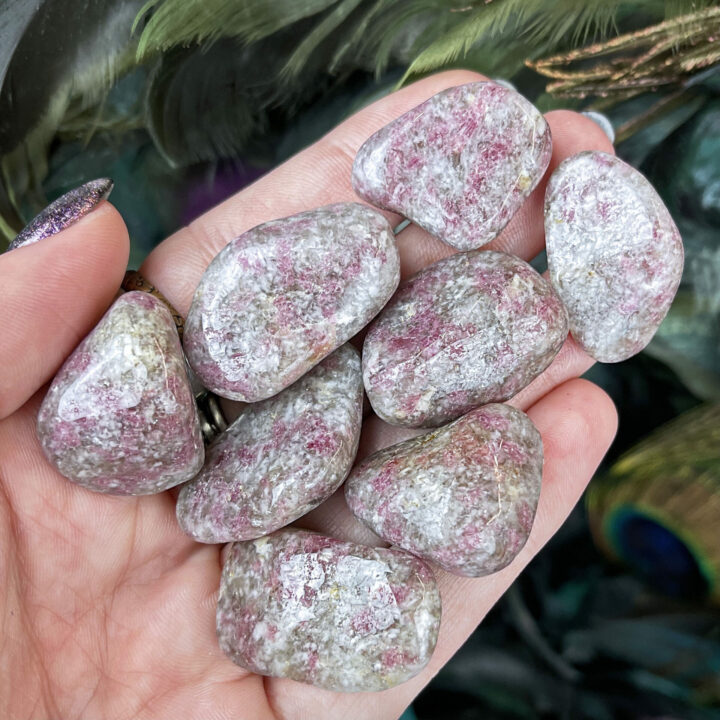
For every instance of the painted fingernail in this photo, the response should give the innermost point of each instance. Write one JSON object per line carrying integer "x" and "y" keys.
{"x": 603, "y": 121}
{"x": 63, "y": 212}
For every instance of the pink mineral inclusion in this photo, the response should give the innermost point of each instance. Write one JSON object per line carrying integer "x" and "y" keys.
{"x": 471, "y": 329}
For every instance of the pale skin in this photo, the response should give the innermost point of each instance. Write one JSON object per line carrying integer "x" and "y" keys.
{"x": 107, "y": 609}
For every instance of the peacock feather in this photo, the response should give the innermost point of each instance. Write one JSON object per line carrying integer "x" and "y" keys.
{"x": 658, "y": 508}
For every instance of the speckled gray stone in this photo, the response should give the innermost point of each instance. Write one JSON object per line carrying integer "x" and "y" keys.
{"x": 284, "y": 295}
{"x": 471, "y": 329}
{"x": 463, "y": 496}
{"x": 281, "y": 458}
{"x": 460, "y": 164}
{"x": 614, "y": 253}
{"x": 119, "y": 416}
{"x": 333, "y": 614}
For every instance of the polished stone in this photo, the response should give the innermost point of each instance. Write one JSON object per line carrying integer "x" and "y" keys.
{"x": 463, "y": 496}
{"x": 333, "y": 614}
{"x": 282, "y": 296}
{"x": 460, "y": 164}
{"x": 471, "y": 329}
{"x": 615, "y": 255}
{"x": 281, "y": 458}
{"x": 119, "y": 416}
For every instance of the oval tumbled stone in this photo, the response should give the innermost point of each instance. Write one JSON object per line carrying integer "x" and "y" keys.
{"x": 281, "y": 458}
{"x": 120, "y": 416}
{"x": 333, "y": 614}
{"x": 463, "y": 496}
{"x": 614, "y": 253}
{"x": 460, "y": 164}
{"x": 282, "y": 296}
{"x": 471, "y": 329}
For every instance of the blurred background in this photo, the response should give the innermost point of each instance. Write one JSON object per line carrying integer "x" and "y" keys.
{"x": 183, "y": 102}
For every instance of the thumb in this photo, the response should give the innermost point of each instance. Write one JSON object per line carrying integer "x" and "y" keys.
{"x": 52, "y": 293}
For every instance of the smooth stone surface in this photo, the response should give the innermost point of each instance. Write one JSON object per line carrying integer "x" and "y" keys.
{"x": 119, "y": 416}
{"x": 471, "y": 329}
{"x": 282, "y": 296}
{"x": 281, "y": 458}
{"x": 614, "y": 254}
{"x": 333, "y": 614}
{"x": 460, "y": 164}
{"x": 463, "y": 496}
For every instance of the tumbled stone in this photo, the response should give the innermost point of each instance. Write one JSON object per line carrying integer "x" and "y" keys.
{"x": 463, "y": 496}
{"x": 282, "y": 296}
{"x": 460, "y": 164}
{"x": 281, "y": 458}
{"x": 119, "y": 416}
{"x": 614, "y": 254}
{"x": 333, "y": 614}
{"x": 471, "y": 329}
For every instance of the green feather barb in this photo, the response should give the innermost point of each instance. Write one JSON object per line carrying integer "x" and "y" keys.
{"x": 182, "y": 22}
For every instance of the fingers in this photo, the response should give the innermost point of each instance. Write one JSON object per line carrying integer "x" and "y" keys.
{"x": 52, "y": 294}
{"x": 577, "y": 421}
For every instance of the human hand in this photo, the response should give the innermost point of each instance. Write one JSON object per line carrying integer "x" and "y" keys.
{"x": 108, "y": 609}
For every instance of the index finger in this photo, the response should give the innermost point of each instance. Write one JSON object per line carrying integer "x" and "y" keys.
{"x": 320, "y": 175}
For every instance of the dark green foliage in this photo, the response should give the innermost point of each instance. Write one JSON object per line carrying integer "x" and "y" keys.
{"x": 211, "y": 85}
{"x": 224, "y": 75}
{"x": 60, "y": 57}
{"x": 55, "y": 63}
{"x": 610, "y": 648}
{"x": 685, "y": 169}
{"x": 183, "y": 22}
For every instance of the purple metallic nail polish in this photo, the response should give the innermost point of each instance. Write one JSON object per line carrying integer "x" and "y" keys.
{"x": 63, "y": 212}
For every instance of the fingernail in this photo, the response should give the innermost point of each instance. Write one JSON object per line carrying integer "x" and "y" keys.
{"x": 505, "y": 83}
{"x": 603, "y": 121}
{"x": 63, "y": 212}
{"x": 400, "y": 226}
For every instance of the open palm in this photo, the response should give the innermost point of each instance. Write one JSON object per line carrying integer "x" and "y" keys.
{"x": 107, "y": 609}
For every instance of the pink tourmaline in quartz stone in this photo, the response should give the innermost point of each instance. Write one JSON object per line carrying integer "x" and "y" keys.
{"x": 281, "y": 458}
{"x": 614, "y": 253}
{"x": 471, "y": 329}
{"x": 282, "y": 296}
{"x": 333, "y": 614}
{"x": 120, "y": 417}
{"x": 463, "y": 496}
{"x": 460, "y": 164}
